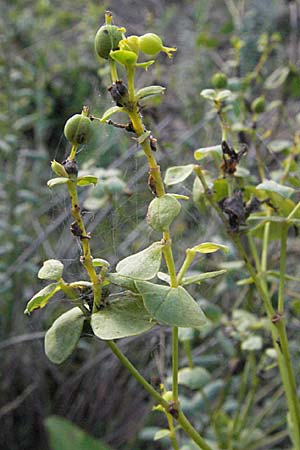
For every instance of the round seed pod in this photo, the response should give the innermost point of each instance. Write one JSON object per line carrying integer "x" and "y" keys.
{"x": 107, "y": 39}
{"x": 78, "y": 129}
{"x": 219, "y": 80}
{"x": 150, "y": 44}
{"x": 162, "y": 211}
{"x": 258, "y": 105}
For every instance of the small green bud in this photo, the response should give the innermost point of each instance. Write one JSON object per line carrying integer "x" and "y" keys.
{"x": 162, "y": 211}
{"x": 78, "y": 129}
{"x": 258, "y": 105}
{"x": 59, "y": 169}
{"x": 151, "y": 44}
{"x": 107, "y": 39}
{"x": 219, "y": 80}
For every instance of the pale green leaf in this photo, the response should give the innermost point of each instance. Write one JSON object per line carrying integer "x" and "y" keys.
{"x": 99, "y": 262}
{"x": 272, "y": 186}
{"x": 110, "y": 111}
{"x": 277, "y": 78}
{"x": 64, "y": 435}
{"x": 178, "y": 174}
{"x": 172, "y": 306}
{"x": 143, "y": 265}
{"x": 162, "y": 211}
{"x": 209, "y": 247}
{"x": 86, "y": 180}
{"x": 208, "y": 94}
{"x": 201, "y": 153}
{"x": 149, "y": 91}
{"x": 63, "y": 336}
{"x": 194, "y": 378}
{"x": 202, "y": 277}
{"x": 122, "y": 318}
{"x": 252, "y": 343}
{"x": 160, "y": 434}
{"x": 52, "y": 269}
{"x": 57, "y": 181}
{"x": 41, "y": 298}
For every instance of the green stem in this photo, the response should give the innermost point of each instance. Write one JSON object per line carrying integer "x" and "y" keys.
{"x": 284, "y": 234}
{"x": 175, "y": 365}
{"x": 172, "y": 432}
{"x": 188, "y": 352}
{"x": 86, "y": 258}
{"x": 265, "y": 245}
{"x": 293, "y": 212}
{"x": 278, "y": 329}
{"x": 113, "y": 70}
{"x": 181, "y": 419}
{"x": 190, "y": 255}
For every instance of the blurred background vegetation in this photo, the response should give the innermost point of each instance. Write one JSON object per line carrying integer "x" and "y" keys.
{"x": 48, "y": 71}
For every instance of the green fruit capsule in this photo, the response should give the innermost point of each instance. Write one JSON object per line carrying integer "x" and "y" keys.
{"x": 78, "y": 129}
{"x": 219, "y": 80}
{"x": 151, "y": 44}
{"x": 258, "y": 105}
{"x": 107, "y": 39}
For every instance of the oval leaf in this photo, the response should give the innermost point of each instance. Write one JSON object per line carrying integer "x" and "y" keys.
{"x": 149, "y": 91}
{"x": 252, "y": 343}
{"x": 195, "y": 378}
{"x": 202, "y": 277}
{"x": 123, "y": 282}
{"x": 110, "y": 111}
{"x": 178, "y": 174}
{"x": 160, "y": 434}
{"x": 125, "y": 57}
{"x": 209, "y": 247}
{"x": 162, "y": 211}
{"x": 172, "y": 306}
{"x": 41, "y": 298}
{"x": 52, "y": 270}
{"x": 59, "y": 169}
{"x": 99, "y": 262}
{"x": 206, "y": 151}
{"x": 277, "y": 78}
{"x": 123, "y": 318}
{"x": 62, "y": 338}
{"x": 209, "y": 94}
{"x": 143, "y": 265}
{"x": 272, "y": 186}
{"x": 86, "y": 180}
{"x": 56, "y": 181}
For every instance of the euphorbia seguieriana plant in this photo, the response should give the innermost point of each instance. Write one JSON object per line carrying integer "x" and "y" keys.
{"x": 144, "y": 302}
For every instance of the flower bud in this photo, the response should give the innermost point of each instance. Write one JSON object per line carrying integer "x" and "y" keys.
{"x": 219, "y": 80}
{"x": 258, "y": 105}
{"x": 151, "y": 44}
{"x": 78, "y": 129}
{"x": 107, "y": 39}
{"x": 162, "y": 211}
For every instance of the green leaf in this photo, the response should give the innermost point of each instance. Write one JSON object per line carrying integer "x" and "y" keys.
{"x": 207, "y": 151}
{"x": 41, "y": 298}
{"x": 223, "y": 95}
{"x": 59, "y": 169}
{"x": 123, "y": 318}
{"x": 209, "y": 247}
{"x": 123, "y": 282}
{"x": 195, "y": 378}
{"x": 252, "y": 343}
{"x": 277, "y": 78}
{"x": 52, "y": 269}
{"x": 63, "y": 336}
{"x": 160, "y": 434}
{"x": 110, "y": 111}
{"x": 178, "y": 174}
{"x": 143, "y": 265}
{"x": 64, "y": 435}
{"x": 145, "y": 65}
{"x": 208, "y": 94}
{"x": 278, "y": 145}
{"x": 272, "y": 186}
{"x": 125, "y": 57}
{"x": 99, "y": 262}
{"x": 162, "y": 211}
{"x": 172, "y": 306}
{"x": 86, "y": 180}
{"x": 220, "y": 189}
{"x": 143, "y": 137}
{"x": 202, "y": 277}
{"x": 149, "y": 91}
{"x": 56, "y": 181}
